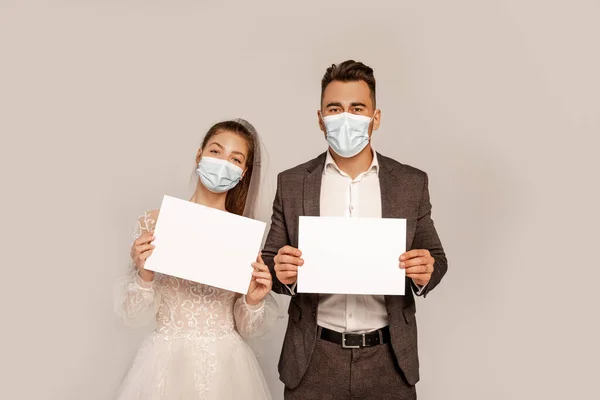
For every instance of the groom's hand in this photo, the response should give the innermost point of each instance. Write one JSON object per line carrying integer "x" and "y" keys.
{"x": 287, "y": 262}
{"x": 418, "y": 265}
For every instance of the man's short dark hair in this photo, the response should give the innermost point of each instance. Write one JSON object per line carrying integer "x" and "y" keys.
{"x": 349, "y": 71}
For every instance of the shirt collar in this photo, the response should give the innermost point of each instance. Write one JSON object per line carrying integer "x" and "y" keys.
{"x": 330, "y": 162}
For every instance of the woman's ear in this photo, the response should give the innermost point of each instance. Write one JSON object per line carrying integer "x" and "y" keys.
{"x": 198, "y": 156}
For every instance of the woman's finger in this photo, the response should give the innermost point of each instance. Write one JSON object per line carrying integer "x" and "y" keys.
{"x": 260, "y": 266}
{"x": 264, "y": 275}
{"x": 263, "y": 282}
{"x": 143, "y": 248}
{"x": 145, "y": 238}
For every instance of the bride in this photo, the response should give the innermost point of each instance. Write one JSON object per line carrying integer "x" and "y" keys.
{"x": 198, "y": 350}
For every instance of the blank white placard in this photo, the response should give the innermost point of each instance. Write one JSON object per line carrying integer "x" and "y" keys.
{"x": 351, "y": 255}
{"x": 205, "y": 245}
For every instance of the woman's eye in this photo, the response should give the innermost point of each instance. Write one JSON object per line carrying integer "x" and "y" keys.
{"x": 237, "y": 160}
{"x": 214, "y": 151}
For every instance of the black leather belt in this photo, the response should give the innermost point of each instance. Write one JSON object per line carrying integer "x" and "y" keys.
{"x": 356, "y": 340}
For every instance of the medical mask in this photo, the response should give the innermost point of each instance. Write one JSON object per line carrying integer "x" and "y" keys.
{"x": 218, "y": 175}
{"x": 347, "y": 134}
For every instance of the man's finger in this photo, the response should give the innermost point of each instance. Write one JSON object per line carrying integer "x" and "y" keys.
{"x": 290, "y": 251}
{"x": 414, "y": 262}
{"x": 420, "y": 277}
{"x": 285, "y": 259}
{"x": 414, "y": 253}
{"x": 419, "y": 269}
{"x": 286, "y": 267}
{"x": 286, "y": 274}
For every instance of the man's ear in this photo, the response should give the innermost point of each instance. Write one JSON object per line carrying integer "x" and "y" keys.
{"x": 321, "y": 124}
{"x": 376, "y": 119}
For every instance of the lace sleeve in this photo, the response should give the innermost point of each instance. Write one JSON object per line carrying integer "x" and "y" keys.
{"x": 135, "y": 300}
{"x": 255, "y": 321}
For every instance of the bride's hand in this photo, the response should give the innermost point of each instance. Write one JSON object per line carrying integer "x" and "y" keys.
{"x": 261, "y": 283}
{"x": 140, "y": 251}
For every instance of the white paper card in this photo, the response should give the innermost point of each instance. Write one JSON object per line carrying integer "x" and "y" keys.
{"x": 351, "y": 255}
{"x": 205, "y": 245}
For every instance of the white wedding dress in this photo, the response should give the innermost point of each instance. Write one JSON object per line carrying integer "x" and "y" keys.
{"x": 197, "y": 350}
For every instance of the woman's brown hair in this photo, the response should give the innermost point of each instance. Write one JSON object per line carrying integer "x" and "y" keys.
{"x": 235, "y": 202}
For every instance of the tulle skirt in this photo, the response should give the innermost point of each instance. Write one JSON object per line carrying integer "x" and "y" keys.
{"x": 184, "y": 368}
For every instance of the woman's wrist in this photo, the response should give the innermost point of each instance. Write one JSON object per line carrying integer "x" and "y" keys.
{"x": 253, "y": 303}
{"x": 146, "y": 276}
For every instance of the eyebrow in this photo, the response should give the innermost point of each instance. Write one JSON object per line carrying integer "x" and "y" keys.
{"x": 218, "y": 144}
{"x": 353, "y": 104}
{"x": 223, "y": 148}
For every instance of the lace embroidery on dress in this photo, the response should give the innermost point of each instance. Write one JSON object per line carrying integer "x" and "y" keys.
{"x": 193, "y": 321}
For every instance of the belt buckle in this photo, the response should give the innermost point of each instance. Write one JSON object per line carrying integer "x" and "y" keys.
{"x": 352, "y": 347}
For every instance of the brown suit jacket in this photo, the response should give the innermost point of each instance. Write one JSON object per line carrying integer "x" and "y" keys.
{"x": 404, "y": 194}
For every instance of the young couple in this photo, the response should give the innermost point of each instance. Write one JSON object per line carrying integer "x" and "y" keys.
{"x": 336, "y": 346}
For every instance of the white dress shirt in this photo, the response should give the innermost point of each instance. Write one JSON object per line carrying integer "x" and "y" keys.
{"x": 341, "y": 196}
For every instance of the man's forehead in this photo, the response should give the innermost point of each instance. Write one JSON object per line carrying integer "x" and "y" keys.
{"x": 347, "y": 93}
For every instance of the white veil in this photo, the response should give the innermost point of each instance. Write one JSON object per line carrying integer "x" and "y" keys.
{"x": 252, "y": 201}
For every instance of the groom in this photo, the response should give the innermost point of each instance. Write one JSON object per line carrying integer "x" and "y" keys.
{"x": 352, "y": 346}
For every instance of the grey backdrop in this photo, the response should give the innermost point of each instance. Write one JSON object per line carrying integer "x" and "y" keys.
{"x": 104, "y": 103}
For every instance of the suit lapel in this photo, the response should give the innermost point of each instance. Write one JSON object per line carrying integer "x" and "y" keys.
{"x": 312, "y": 194}
{"x": 388, "y": 183}
{"x": 311, "y": 202}
{"x": 312, "y": 188}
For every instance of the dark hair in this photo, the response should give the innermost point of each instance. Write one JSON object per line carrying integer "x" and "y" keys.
{"x": 349, "y": 71}
{"x": 235, "y": 202}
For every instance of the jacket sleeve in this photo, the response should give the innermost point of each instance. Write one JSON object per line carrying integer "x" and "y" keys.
{"x": 276, "y": 239}
{"x": 426, "y": 237}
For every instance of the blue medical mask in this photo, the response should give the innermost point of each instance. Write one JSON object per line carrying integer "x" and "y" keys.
{"x": 347, "y": 134}
{"x": 218, "y": 175}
